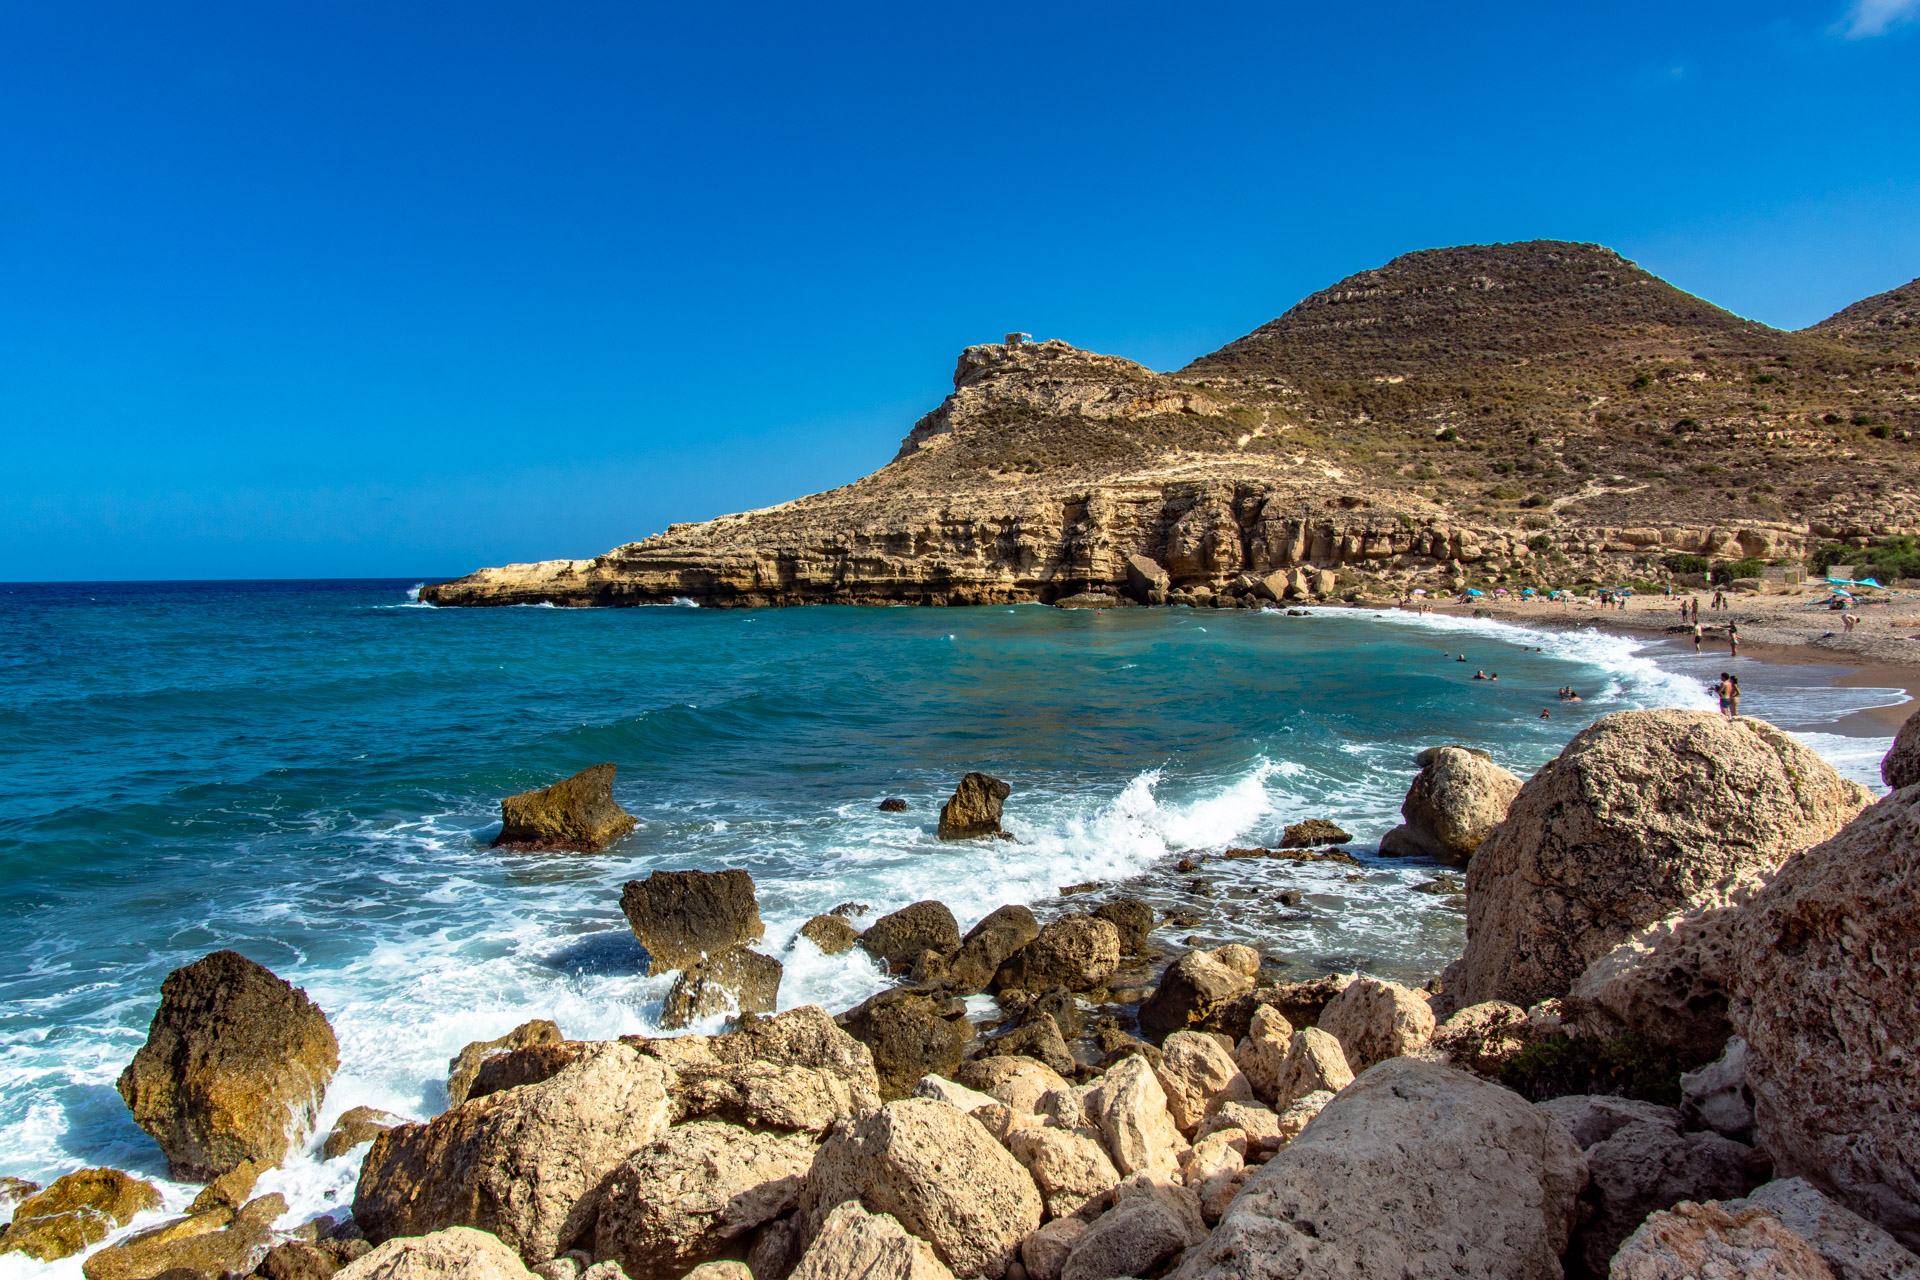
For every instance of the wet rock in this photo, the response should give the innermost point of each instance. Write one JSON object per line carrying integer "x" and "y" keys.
{"x": 516, "y": 1163}
{"x": 853, "y": 1244}
{"x": 1643, "y": 1168}
{"x": 1314, "y": 1062}
{"x": 1707, "y": 1242}
{"x": 974, "y": 809}
{"x": 1019, "y": 1082}
{"x": 1593, "y": 1118}
{"x": 1262, "y": 1052}
{"x": 1854, "y": 1248}
{"x": 1072, "y": 1171}
{"x": 1197, "y": 1075}
{"x": 1640, "y": 812}
{"x": 912, "y": 1032}
{"x": 893, "y": 804}
{"x": 797, "y": 1071}
{"x": 1484, "y": 1037}
{"x": 1039, "y": 1039}
{"x": 988, "y": 945}
{"x": 692, "y": 1193}
{"x": 1190, "y": 989}
{"x": 1314, "y": 831}
{"x": 1130, "y": 1108}
{"x": 1426, "y": 1139}
{"x": 1454, "y": 804}
{"x": 900, "y": 938}
{"x": 1442, "y": 886}
{"x": 1045, "y": 1251}
{"x": 14, "y": 1190}
{"x": 76, "y": 1211}
{"x": 736, "y": 980}
{"x": 211, "y": 1244}
{"x": 681, "y": 917}
{"x": 1716, "y": 1096}
{"x": 234, "y": 1067}
{"x": 464, "y": 1066}
{"x": 1076, "y": 952}
{"x": 832, "y": 934}
{"x": 440, "y": 1255}
{"x": 1134, "y": 921}
{"x": 939, "y": 1174}
{"x": 1115, "y": 1044}
{"x": 578, "y": 813}
{"x": 231, "y": 1189}
{"x": 362, "y": 1124}
{"x": 1375, "y": 1020}
{"x": 1825, "y": 968}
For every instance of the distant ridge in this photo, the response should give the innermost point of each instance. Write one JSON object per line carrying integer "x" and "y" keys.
{"x": 1887, "y": 321}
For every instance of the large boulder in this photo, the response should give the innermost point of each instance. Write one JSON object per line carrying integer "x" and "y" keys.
{"x": 694, "y": 1193}
{"x": 1853, "y": 1247}
{"x": 1375, "y": 1020}
{"x": 939, "y": 1174}
{"x": 464, "y": 1066}
{"x": 1020, "y": 1082}
{"x": 1076, "y": 952}
{"x": 1129, "y": 1107}
{"x": 1134, "y": 919}
{"x": 1192, "y": 987}
{"x": 1643, "y": 1168}
{"x": 974, "y": 809}
{"x": 1315, "y": 1063}
{"x": 1073, "y": 1172}
{"x": 234, "y": 1067}
{"x": 578, "y": 813}
{"x": 1415, "y": 1170}
{"x": 912, "y": 1032}
{"x": 517, "y": 1162}
{"x": 1454, "y": 804}
{"x": 1710, "y": 1242}
{"x": 1642, "y": 811}
{"x": 903, "y": 936}
{"x": 1147, "y": 582}
{"x": 1263, "y": 1050}
{"x": 797, "y": 1071}
{"x": 441, "y": 1255}
{"x": 1137, "y": 1236}
{"x": 1824, "y": 973}
{"x": 682, "y": 917}
{"x": 832, "y": 934}
{"x": 74, "y": 1212}
{"x": 216, "y": 1242}
{"x": 988, "y": 945}
{"x": 1198, "y": 1075}
{"x": 1045, "y": 1251}
{"x": 737, "y": 980}
{"x": 1901, "y": 767}
{"x": 853, "y": 1244}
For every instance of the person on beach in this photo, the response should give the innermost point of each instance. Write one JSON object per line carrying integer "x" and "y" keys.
{"x": 1848, "y": 621}
{"x": 1696, "y": 631}
{"x": 1733, "y": 637}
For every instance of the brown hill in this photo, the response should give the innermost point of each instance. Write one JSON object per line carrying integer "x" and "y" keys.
{"x": 1887, "y": 323}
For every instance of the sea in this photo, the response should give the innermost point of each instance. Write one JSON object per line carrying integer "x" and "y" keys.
{"x": 310, "y": 773}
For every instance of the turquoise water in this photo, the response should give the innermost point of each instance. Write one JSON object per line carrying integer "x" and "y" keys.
{"x": 310, "y": 773}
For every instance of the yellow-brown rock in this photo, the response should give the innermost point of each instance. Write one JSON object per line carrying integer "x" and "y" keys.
{"x": 76, "y": 1211}
{"x": 577, "y": 813}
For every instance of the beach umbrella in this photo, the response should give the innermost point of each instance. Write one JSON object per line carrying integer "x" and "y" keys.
{"x": 1475, "y": 591}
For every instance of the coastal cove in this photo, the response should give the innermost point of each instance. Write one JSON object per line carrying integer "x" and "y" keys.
{"x": 310, "y": 773}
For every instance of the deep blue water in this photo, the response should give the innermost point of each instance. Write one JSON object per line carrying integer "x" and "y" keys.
{"x": 309, "y": 772}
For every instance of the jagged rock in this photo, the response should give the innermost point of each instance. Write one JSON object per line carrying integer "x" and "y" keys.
{"x": 1716, "y": 1096}
{"x": 528, "y": 1064}
{"x": 1431, "y": 1141}
{"x": 1045, "y": 1251}
{"x": 1072, "y": 1172}
{"x": 1854, "y": 1248}
{"x": 1593, "y": 1118}
{"x": 681, "y": 917}
{"x": 1065, "y": 1107}
{"x": 853, "y": 1244}
{"x": 1041, "y": 1040}
{"x": 1019, "y": 1082}
{"x": 210, "y": 1244}
{"x": 1134, "y": 919}
{"x": 1315, "y": 1062}
{"x": 1258, "y": 1125}
{"x": 1198, "y": 1075}
{"x": 912, "y": 1032}
{"x": 690, "y": 1194}
{"x": 1147, "y": 582}
{"x": 1076, "y": 952}
{"x": 1191, "y": 988}
{"x": 1901, "y": 767}
{"x": 516, "y": 1163}
{"x": 1215, "y": 1169}
{"x": 1238, "y": 957}
{"x": 1133, "y": 1238}
{"x": 1483, "y": 1037}
{"x": 231, "y": 1189}
{"x": 441, "y": 1255}
{"x": 1643, "y": 1168}
{"x": 736, "y": 980}
{"x": 1001, "y": 1120}
{"x": 1454, "y": 804}
{"x": 947, "y": 1091}
{"x": 987, "y": 946}
{"x": 1057, "y": 1002}
{"x": 893, "y": 804}
{"x": 832, "y": 934}
{"x": 797, "y": 1071}
{"x": 974, "y": 809}
{"x": 234, "y": 1067}
{"x": 1826, "y": 965}
{"x": 1640, "y": 812}
{"x": 1130, "y": 1109}
{"x": 1262, "y": 1053}
{"x": 75, "y": 1211}
{"x": 939, "y": 1174}
{"x": 901, "y": 937}
{"x": 1706, "y": 1242}
{"x": 14, "y": 1190}
{"x": 1375, "y": 1020}
{"x": 1300, "y": 1003}
{"x": 362, "y": 1124}
{"x": 299, "y": 1260}
{"x": 464, "y": 1066}
{"x": 1312, "y": 832}
{"x": 578, "y": 813}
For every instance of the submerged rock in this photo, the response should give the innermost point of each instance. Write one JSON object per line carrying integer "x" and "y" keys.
{"x": 74, "y": 1212}
{"x": 681, "y": 917}
{"x": 1454, "y": 804}
{"x": 234, "y": 1067}
{"x": 1305, "y": 835}
{"x": 577, "y": 813}
{"x": 974, "y": 809}
{"x": 893, "y": 804}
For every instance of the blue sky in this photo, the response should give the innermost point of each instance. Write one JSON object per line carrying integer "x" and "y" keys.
{"x": 403, "y": 289}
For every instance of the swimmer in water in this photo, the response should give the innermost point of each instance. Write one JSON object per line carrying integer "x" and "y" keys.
{"x": 1479, "y": 675}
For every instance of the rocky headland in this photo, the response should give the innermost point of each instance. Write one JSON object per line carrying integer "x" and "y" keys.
{"x": 1679, "y": 1043}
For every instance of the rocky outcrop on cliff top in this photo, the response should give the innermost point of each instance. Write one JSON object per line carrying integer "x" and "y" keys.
{"x": 234, "y": 1067}
{"x": 577, "y": 813}
{"x": 1453, "y": 805}
{"x": 1642, "y": 811}
{"x": 1823, "y": 980}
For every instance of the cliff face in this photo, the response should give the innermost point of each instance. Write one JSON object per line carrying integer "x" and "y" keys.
{"x": 1540, "y": 412}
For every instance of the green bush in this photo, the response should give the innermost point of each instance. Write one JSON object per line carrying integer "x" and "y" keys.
{"x": 1729, "y": 570}
{"x": 1448, "y": 434}
{"x": 1879, "y": 431}
{"x": 1884, "y": 561}
{"x": 1540, "y": 542}
{"x": 1533, "y": 500}
{"x": 1682, "y": 563}
{"x": 1630, "y": 1066}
